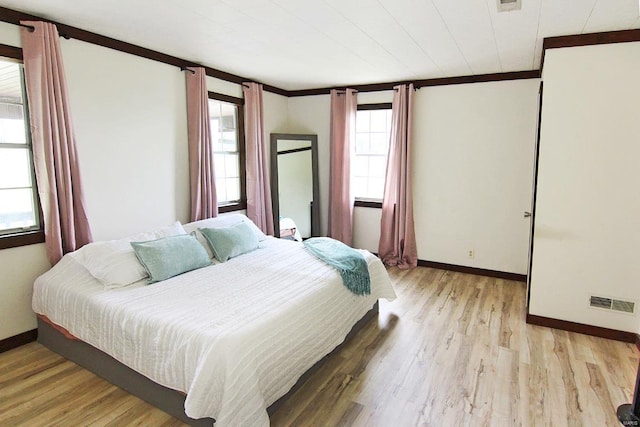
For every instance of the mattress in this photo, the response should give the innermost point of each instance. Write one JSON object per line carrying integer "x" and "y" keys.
{"x": 233, "y": 336}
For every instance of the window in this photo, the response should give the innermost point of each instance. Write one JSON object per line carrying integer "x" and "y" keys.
{"x": 369, "y": 160}
{"x": 228, "y": 150}
{"x": 19, "y": 206}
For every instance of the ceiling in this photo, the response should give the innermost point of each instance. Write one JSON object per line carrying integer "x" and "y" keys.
{"x": 302, "y": 44}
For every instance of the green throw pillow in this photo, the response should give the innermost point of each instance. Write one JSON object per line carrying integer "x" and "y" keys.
{"x": 170, "y": 256}
{"x": 229, "y": 242}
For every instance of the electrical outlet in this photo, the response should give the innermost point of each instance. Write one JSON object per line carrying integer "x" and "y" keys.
{"x": 470, "y": 253}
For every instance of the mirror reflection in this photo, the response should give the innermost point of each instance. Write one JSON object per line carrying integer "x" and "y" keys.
{"x": 294, "y": 185}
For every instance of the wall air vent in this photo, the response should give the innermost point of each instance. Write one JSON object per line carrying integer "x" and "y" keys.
{"x": 612, "y": 304}
{"x": 626, "y": 306}
{"x": 508, "y": 5}
{"x": 600, "y": 302}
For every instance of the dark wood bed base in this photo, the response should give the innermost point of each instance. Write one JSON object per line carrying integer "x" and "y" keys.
{"x": 166, "y": 399}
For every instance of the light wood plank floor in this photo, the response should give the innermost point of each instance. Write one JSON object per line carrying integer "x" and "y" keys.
{"x": 452, "y": 350}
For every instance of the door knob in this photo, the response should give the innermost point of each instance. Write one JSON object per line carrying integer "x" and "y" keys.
{"x": 527, "y": 214}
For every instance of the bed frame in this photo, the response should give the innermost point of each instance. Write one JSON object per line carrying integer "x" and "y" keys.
{"x": 166, "y": 399}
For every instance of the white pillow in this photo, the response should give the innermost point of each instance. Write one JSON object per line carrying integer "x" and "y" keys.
{"x": 222, "y": 221}
{"x": 114, "y": 262}
{"x": 174, "y": 229}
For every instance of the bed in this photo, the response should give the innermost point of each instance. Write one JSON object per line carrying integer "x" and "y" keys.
{"x": 230, "y": 338}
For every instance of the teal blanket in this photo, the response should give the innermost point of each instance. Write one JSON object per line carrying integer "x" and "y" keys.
{"x": 349, "y": 262}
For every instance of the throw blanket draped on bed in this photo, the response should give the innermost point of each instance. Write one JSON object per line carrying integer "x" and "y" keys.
{"x": 350, "y": 263}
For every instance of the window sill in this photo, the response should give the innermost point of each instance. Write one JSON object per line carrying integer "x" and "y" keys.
{"x": 232, "y": 207}
{"x": 364, "y": 203}
{"x": 21, "y": 239}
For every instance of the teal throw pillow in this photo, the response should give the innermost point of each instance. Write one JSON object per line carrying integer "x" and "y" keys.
{"x": 170, "y": 256}
{"x": 229, "y": 242}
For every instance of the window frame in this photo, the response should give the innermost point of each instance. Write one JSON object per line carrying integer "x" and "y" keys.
{"x": 363, "y": 202}
{"x": 239, "y": 103}
{"x": 36, "y": 235}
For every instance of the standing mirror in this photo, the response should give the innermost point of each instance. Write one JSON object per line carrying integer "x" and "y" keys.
{"x": 294, "y": 185}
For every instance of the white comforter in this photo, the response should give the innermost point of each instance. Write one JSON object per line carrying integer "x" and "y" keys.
{"x": 234, "y": 336}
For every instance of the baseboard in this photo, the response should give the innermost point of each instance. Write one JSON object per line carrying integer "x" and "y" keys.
{"x": 581, "y": 328}
{"x": 18, "y": 340}
{"x": 474, "y": 270}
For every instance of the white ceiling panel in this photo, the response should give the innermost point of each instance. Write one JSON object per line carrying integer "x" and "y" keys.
{"x": 564, "y": 17}
{"x": 335, "y": 27}
{"x": 609, "y": 15}
{"x": 373, "y": 19}
{"x": 425, "y": 26}
{"x": 212, "y": 11}
{"x": 473, "y": 33}
{"x": 515, "y": 34}
{"x": 300, "y": 44}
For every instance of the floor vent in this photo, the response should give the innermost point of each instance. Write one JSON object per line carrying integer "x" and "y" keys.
{"x": 612, "y": 304}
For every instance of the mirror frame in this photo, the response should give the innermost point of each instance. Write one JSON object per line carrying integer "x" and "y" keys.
{"x": 275, "y": 201}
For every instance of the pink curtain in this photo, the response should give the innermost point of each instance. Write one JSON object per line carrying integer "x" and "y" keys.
{"x": 204, "y": 202}
{"x": 259, "y": 208}
{"x": 66, "y": 226}
{"x": 343, "y": 127}
{"x": 397, "y": 235}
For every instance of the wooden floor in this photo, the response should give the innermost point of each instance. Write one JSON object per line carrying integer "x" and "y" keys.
{"x": 452, "y": 350}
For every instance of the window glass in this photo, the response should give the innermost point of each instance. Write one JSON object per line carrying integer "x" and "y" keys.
{"x": 11, "y": 120}
{"x": 369, "y": 160}
{"x": 15, "y": 167}
{"x": 18, "y": 196}
{"x": 226, "y": 153}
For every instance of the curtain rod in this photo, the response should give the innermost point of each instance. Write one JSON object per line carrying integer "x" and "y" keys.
{"x": 31, "y": 29}
{"x": 146, "y": 53}
{"x": 182, "y": 68}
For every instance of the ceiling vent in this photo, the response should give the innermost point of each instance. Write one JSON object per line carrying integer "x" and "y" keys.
{"x": 612, "y": 304}
{"x": 508, "y": 5}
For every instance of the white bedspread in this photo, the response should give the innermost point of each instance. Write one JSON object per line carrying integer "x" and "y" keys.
{"x": 234, "y": 336}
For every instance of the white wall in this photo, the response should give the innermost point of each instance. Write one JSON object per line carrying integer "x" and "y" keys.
{"x": 310, "y": 115}
{"x": 10, "y": 34}
{"x": 275, "y": 109}
{"x": 223, "y": 87}
{"x": 473, "y": 160}
{"x": 130, "y": 122}
{"x": 276, "y": 117}
{"x": 473, "y": 173}
{"x": 587, "y": 230}
{"x": 20, "y": 267}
